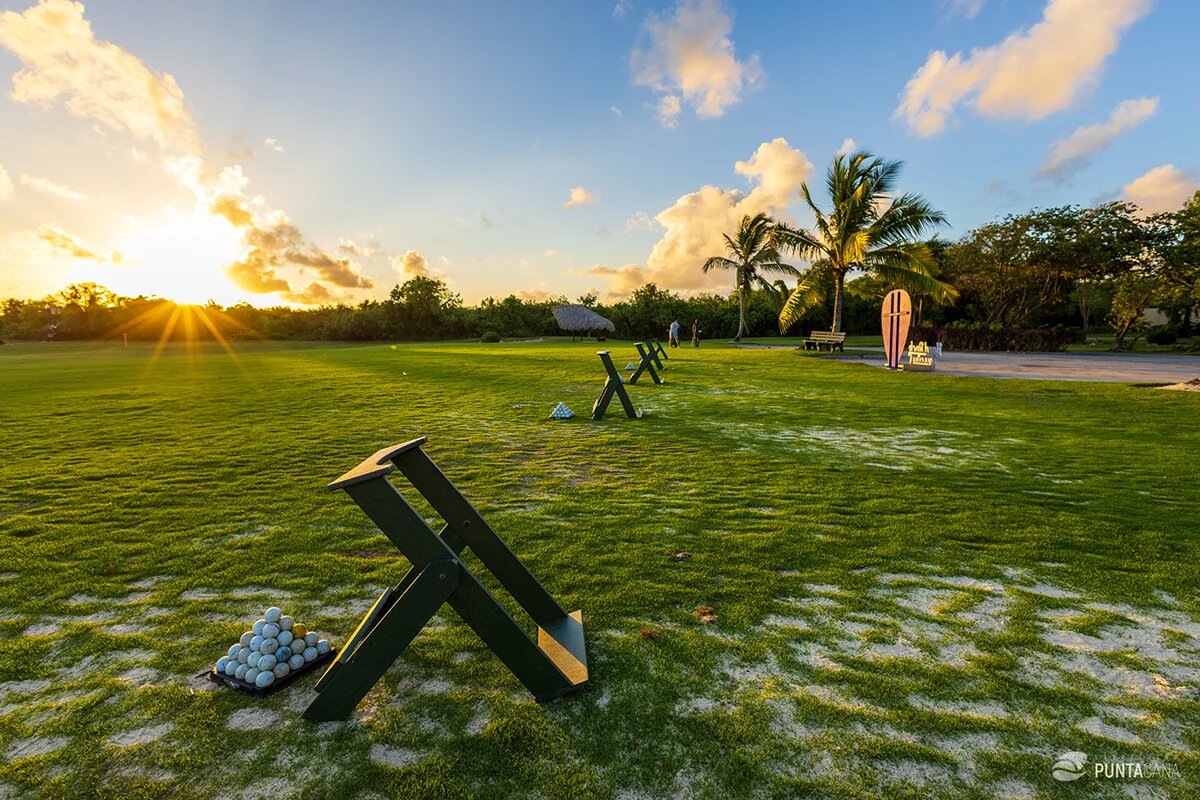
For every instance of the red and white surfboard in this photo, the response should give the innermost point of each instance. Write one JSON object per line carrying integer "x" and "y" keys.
{"x": 897, "y": 312}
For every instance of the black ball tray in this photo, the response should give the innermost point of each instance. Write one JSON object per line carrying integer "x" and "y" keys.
{"x": 254, "y": 691}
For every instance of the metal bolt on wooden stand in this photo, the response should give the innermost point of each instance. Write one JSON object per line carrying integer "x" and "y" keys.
{"x": 613, "y": 384}
{"x": 556, "y": 665}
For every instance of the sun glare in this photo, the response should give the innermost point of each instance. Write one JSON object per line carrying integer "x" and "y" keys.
{"x": 181, "y": 256}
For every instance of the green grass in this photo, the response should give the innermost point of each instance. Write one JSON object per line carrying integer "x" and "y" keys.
{"x": 924, "y": 585}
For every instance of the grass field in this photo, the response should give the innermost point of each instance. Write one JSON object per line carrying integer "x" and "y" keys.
{"x": 924, "y": 586}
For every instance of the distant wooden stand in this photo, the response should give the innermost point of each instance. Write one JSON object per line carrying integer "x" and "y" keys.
{"x": 613, "y": 385}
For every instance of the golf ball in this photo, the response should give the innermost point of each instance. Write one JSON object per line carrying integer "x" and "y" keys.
{"x": 231, "y": 668}
{"x": 256, "y": 642}
{"x": 266, "y": 662}
{"x": 281, "y": 669}
{"x": 285, "y": 637}
{"x": 258, "y": 626}
{"x": 310, "y": 639}
{"x": 323, "y": 647}
{"x": 299, "y": 630}
{"x": 252, "y": 659}
{"x": 240, "y": 672}
{"x": 221, "y": 662}
{"x": 251, "y": 674}
{"x": 283, "y": 653}
{"x": 296, "y": 661}
{"x": 310, "y": 654}
{"x": 268, "y": 646}
{"x": 246, "y": 637}
{"x": 264, "y": 679}
{"x": 243, "y": 654}
{"x": 233, "y": 650}
{"x": 273, "y": 614}
{"x": 286, "y": 622}
{"x": 270, "y": 630}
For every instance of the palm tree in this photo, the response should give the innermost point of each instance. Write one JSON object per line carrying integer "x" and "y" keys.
{"x": 868, "y": 229}
{"x": 753, "y": 251}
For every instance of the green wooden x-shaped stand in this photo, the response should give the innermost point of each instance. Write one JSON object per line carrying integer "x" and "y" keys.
{"x": 657, "y": 349}
{"x": 554, "y": 666}
{"x": 645, "y": 364}
{"x": 613, "y": 384}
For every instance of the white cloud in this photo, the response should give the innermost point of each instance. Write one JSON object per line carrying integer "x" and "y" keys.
{"x": 411, "y": 264}
{"x": 621, "y": 8}
{"x": 668, "y": 109}
{"x": 1163, "y": 188}
{"x": 579, "y": 197}
{"x": 640, "y": 220}
{"x": 62, "y": 61}
{"x": 691, "y": 58}
{"x": 617, "y": 112}
{"x": 967, "y": 8}
{"x": 1068, "y": 155}
{"x": 847, "y": 147}
{"x": 6, "y": 185}
{"x": 1029, "y": 75}
{"x": 274, "y": 145}
{"x": 694, "y": 225}
{"x": 96, "y": 80}
{"x": 48, "y": 186}
{"x": 550, "y": 254}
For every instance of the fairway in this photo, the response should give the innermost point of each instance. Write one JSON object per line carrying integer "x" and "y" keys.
{"x": 800, "y": 577}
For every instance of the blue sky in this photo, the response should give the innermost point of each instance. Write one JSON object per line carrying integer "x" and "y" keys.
{"x": 446, "y": 139}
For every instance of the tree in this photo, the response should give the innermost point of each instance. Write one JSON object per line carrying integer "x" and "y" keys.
{"x": 866, "y": 229}
{"x": 752, "y": 253}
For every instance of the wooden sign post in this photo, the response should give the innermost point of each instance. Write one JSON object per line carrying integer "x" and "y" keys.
{"x": 897, "y": 313}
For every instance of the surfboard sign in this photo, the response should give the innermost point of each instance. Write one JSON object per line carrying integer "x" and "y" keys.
{"x": 896, "y": 315}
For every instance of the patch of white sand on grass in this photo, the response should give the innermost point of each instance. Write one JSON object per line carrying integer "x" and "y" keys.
{"x": 23, "y": 687}
{"x": 139, "y": 677}
{"x": 42, "y": 629}
{"x": 1098, "y": 727}
{"x": 982, "y": 710}
{"x": 140, "y": 735}
{"x": 36, "y": 746}
{"x": 396, "y": 757}
{"x": 253, "y": 719}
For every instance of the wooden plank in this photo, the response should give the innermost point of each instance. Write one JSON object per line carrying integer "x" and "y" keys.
{"x": 563, "y": 641}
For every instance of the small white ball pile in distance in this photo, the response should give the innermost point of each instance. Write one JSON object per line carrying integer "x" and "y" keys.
{"x": 274, "y": 646}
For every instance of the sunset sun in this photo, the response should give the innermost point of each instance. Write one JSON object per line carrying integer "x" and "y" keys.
{"x": 179, "y": 255}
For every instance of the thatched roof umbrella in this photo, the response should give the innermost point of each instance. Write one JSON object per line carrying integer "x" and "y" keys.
{"x": 580, "y": 320}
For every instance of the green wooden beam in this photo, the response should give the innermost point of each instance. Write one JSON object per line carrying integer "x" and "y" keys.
{"x": 645, "y": 364}
{"x": 614, "y": 384}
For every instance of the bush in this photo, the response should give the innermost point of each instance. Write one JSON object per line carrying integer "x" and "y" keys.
{"x": 1164, "y": 334}
{"x": 491, "y": 337}
{"x": 979, "y": 336}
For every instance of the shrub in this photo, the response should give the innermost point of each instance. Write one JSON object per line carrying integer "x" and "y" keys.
{"x": 491, "y": 337}
{"x": 1164, "y": 334}
{"x": 979, "y": 336}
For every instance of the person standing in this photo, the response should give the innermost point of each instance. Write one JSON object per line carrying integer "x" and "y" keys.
{"x": 673, "y": 336}
{"x": 696, "y": 331}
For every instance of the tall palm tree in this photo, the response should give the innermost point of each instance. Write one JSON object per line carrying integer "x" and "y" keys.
{"x": 754, "y": 251}
{"x": 867, "y": 229}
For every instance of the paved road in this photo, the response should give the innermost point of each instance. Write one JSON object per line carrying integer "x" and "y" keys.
{"x": 1128, "y": 368}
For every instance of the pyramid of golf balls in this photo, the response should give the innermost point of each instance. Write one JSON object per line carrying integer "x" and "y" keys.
{"x": 274, "y": 646}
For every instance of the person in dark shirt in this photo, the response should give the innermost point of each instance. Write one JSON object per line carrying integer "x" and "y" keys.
{"x": 696, "y": 331}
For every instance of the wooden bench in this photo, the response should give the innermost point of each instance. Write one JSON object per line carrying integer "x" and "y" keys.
{"x": 820, "y": 340}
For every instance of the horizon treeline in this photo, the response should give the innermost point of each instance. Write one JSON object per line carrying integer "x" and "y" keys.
{"x": 1066, "y": 267}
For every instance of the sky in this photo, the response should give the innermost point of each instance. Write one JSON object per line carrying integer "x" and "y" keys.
{"x": 308, "y": 153}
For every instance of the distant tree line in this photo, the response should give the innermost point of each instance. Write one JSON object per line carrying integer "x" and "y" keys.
{"x": 1067, "y": 267}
